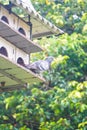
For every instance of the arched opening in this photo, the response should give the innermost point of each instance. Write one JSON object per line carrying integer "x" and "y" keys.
{"x": 20, "y": 61}
{"x": 21, "y": 30}
{"x": 4, "y": 18}
{"x": 3, "y": 51}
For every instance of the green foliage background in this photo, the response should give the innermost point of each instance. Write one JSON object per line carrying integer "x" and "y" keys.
{"x": 61, "y": 104}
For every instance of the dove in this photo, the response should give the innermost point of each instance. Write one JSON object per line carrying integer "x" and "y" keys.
{"x": 40, "y": 65}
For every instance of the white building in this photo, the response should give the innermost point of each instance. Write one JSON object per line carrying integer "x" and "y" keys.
{"x": 16, "y": 43}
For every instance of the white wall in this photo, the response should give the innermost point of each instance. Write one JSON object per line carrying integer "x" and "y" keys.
{"x": 15, "y": 22}
{"x": 13, "y": 52}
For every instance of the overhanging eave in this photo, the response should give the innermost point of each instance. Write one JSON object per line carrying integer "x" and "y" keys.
{"x": 14, "y": 74}
{"x": 18, "y": 39}
{"x": 40, "y": 24}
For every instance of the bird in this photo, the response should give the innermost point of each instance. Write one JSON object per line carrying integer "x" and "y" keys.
{"x": 40, "y": 65}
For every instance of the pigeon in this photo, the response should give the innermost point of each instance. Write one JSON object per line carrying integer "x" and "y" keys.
{"x": 40, "y": 65}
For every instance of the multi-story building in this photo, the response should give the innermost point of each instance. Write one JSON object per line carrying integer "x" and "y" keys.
{"x": 16, "y": 42}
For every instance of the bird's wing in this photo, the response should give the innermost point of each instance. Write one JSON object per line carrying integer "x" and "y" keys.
{"x": 44, "y": 65}
{"x": 38, "y": 66}
{"x": 34, "y": 66}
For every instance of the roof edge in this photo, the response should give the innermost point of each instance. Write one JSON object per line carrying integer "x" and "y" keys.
{"x": 29, "y": 8}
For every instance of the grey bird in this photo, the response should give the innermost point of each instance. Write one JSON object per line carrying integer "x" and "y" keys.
{"x": 41, "y": 65}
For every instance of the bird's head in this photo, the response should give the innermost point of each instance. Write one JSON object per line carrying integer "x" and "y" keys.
{"x": 49, "y": 59}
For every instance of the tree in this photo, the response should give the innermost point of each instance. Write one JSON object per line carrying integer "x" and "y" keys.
{"x": 61, "y": 104}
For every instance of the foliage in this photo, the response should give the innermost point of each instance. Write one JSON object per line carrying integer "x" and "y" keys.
{"x": 70, "y": 15}
{"x": 61, "y": 103}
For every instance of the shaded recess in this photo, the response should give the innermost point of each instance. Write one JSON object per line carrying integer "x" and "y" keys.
{"x": 20, "y": 61}
{"x": 4, "y": 18}
{"x": 3, "y": 51}
{"x": 21, "y": 30}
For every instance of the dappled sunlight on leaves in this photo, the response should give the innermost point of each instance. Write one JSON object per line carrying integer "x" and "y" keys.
{"x": 61, "y": 102}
